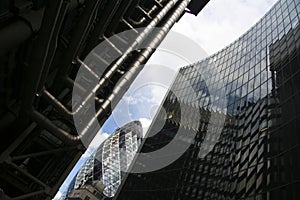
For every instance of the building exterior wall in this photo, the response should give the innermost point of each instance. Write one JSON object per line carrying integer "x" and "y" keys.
{"x": 85, "y": 173}
{"x": 107, "y": 165}
{"x": 87, "y": 192}
{"x": 242, "y": 104}
{"x": 115, "y": 156}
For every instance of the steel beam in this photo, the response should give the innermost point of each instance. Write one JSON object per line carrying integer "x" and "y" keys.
{"x": 43, "y": 153}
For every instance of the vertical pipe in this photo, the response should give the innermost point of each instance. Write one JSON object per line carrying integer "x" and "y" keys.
{"x": 78, "y": 37}
{"x": 40, "y": 52}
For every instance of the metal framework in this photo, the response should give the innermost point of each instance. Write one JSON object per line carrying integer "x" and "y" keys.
{"x": 43, "y": 45}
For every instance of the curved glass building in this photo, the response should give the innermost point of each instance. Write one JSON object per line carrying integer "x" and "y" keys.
{"x": 115, "y": 155}
{"x": 111, "y": 160}
{"x": 241, "y": 109}
{"x": 85, "y": 173}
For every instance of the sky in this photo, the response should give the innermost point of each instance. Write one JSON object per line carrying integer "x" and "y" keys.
{"x": 216, "y": 26}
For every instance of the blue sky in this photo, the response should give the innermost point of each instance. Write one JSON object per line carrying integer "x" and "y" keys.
{"x": 219, "y": 24}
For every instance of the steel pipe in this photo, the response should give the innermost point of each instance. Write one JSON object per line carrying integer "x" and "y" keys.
{"x": 43, "y": 153}
{"x": 53, "y": 45}
{"x": 57, "y": 104}
{"x": 79, "y": 36}
{"x": 137, "y": 23}
{"x": 29, "y": 176}
{"x": 129, "y": 25}
{"x": 100, "y": 27}
{"x": 142, "y": 36}
{"x": 40, "y": 52}
{"x": 124, "y": 84}
{"x": 61, "y": 134}
{"x": 137, "y": 65}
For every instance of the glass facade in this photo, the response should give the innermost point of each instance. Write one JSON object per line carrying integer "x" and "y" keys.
{"x": 85, "y": 173}
{"x": 111, "y": 160}
{"x": 243, "y": 104}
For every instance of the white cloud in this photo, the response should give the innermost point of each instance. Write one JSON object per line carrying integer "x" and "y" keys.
{"x": 149, "y": 88}
{"x": 129, "y": 100}
{"x": 96, "y": 142}
{"x": 145, "y": 124}
{"x": 222, "y": 21}
{"x": 141, "y": 101}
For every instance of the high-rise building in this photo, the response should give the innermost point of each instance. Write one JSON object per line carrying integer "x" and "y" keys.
{"x": 114, "y": 157}
{"x": 89, "y": 191}
{"x": 70, "y": 188}
{"x": 232, "y": 121}
{"x": 111, "y": 160}
{"x": 85, "y": 173}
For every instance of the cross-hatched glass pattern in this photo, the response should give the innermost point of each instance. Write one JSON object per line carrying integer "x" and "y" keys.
{"x": 85, "y": 173}
{"x": 247, "y": 142}
{"x": 115, "y": 156}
